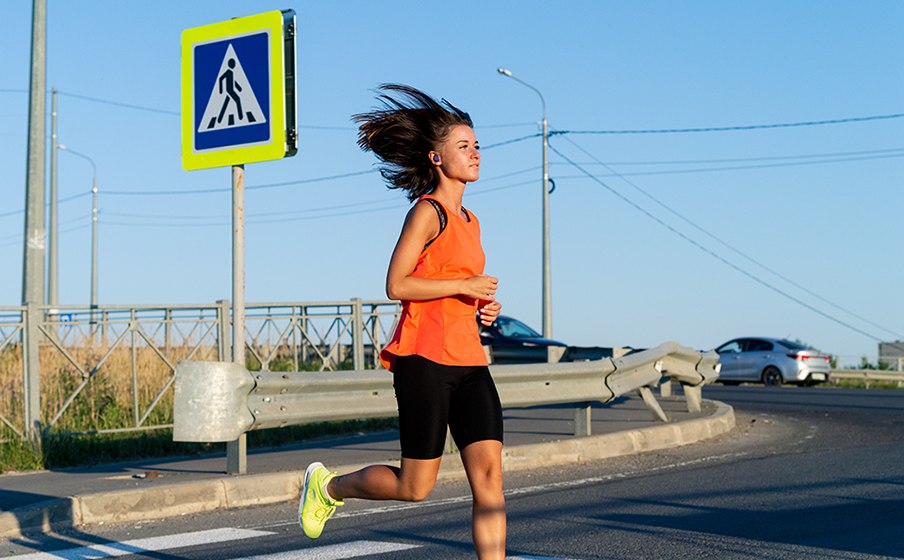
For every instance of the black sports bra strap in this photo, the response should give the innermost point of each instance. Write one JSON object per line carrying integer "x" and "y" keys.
{"x": 441, "y": 212}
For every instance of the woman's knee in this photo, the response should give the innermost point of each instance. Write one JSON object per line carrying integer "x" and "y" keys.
{"x": 417, "y": 478}
{"x": 416, "y": 491}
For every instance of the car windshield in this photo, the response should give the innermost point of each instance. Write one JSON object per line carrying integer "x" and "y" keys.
{"x": 733, "y": 347}
{"x": 514, "y": 329}
{"x": 793, "y": 345}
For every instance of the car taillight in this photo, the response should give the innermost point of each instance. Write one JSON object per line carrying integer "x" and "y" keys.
{"x": 803, "y": 357}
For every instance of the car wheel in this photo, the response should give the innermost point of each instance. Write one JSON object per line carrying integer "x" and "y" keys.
{"x": 772, "y": 377}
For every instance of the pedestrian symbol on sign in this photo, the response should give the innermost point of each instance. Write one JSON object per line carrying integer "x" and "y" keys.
{"x": 232, "y": 102}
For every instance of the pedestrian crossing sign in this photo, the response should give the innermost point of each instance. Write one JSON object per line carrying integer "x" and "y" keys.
{"x": 238, "y": 91}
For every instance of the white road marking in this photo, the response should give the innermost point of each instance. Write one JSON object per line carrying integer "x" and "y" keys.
{"x": 534, "y": 558}
{"x": 140, "y": 546}
{"x": 337, "y": 551}
{"x": 532, "y": 489}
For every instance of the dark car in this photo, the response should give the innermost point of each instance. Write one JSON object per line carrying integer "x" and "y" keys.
{"x": 772, "y": 361}
{"x": 513, "y": 342}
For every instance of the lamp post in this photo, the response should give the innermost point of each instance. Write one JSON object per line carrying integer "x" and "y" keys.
{"x": 93, "y": 232}
{"x": 547, "y": 275}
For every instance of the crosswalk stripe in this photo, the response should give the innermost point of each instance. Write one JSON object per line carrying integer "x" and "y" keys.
{"x": 353, "y": 549}
{"x": 534, "y": 558}
{"x": 140, "y": 546}
{"x": 337, "y": 551}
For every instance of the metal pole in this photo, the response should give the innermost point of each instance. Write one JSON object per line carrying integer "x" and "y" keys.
{"x": 35, "y": 233}
{"x": 53, "y": 248}
{"x": 547, "y": 269}
{"x": 94, "y": 257}
{"x": 547, "y": 273}
{"x": 236, "y": 451}
{"x": 93, "y": 329}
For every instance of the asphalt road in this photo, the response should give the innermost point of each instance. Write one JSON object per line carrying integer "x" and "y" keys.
{"x": 808, "y": 473}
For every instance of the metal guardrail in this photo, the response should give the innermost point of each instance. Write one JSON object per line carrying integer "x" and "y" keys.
{"x": 219, "y": 401}
{"x": 868, "y": 375}
{"x": 861, "y": 362}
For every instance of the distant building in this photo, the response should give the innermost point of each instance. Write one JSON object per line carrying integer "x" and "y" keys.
{"x": 891, "y": 349}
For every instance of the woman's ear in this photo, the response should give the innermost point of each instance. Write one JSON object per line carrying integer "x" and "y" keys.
{"x": 434, "y": 158}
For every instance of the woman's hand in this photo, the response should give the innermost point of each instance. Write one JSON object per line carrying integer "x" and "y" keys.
{"x": 480, "y": 287}
{"x": 489, "y": 310}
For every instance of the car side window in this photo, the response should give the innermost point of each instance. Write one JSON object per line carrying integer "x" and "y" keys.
{"x": 759, "y": 346}
{"x": 514, "y": 329}
{"x": 733, "y": 347}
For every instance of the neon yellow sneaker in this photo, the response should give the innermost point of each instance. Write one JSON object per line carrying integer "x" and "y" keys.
{"x": 315, "y": 507}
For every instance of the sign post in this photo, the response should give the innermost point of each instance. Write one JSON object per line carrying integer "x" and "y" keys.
{"x": 238, "y": 107}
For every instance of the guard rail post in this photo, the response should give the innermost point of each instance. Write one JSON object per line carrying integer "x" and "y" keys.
{"x": 582, "y": 410}
{"x": 167, "y": 329}
{"x": 652, "y": 404}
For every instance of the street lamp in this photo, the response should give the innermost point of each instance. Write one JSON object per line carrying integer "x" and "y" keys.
{"x": 93, "y": 231}
{"x": 547, "y": 276}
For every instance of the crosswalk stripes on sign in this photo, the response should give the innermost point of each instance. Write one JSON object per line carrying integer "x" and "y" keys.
{"x": 232, "y": 101}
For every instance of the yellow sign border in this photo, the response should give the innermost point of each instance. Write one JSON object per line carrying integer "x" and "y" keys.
{"x": 276, "y": 148}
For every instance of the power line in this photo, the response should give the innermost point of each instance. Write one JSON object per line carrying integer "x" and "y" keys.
{"x": 19, "y": 240}
{"x": 14, "y": 212}
{"x": 736, "y": 160}
{"x": 118, "y": 104}
{"x": 722, "y": 242}
{"x": 553, "y": 133}
{"x": 762, "y": 166}
{"x": 730, "y": 128}
{"x": 229, "y": 189}
{"x": 712, "y": 253}
{"x": 496, "y": 145}
{"x": 251, "y": 218}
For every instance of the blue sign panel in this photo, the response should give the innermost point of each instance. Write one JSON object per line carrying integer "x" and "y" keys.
{"x": 232, "y": 92}
{"x": 238, "y": 91}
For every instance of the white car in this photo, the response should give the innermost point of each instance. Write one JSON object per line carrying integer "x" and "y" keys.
{"x": 772, "y": 361}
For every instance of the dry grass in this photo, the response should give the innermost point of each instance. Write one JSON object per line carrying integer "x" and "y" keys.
{"x": 103, "y": 398}
{"x": 103, "y": 391}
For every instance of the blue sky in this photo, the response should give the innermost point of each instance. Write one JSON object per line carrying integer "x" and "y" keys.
{"x": 772, "y": 231}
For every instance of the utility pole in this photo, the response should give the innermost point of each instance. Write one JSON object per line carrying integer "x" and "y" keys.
{"x": 35, "y": 234}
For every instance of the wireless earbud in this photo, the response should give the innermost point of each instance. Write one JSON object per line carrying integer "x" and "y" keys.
{"x": 436, "y": 159}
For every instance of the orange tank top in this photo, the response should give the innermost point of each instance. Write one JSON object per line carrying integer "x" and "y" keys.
{"x": 443, "y": 330}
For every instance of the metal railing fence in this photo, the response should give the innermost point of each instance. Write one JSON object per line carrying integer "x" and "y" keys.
{"x": 78, "y": 370}
{"x": 886, "y": 363}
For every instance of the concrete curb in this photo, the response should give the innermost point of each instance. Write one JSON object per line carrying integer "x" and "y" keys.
{"x": 234, "y": 492}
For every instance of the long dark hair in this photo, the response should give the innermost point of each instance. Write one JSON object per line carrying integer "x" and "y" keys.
{"x": 403, "y": 132}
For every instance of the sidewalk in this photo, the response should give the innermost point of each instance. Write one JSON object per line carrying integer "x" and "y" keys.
{"x": 534, "y": 437}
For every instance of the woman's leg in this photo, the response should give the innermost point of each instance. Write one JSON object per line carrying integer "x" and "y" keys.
{"x": 483, "y": 463}
{"x": 412, "y": 483}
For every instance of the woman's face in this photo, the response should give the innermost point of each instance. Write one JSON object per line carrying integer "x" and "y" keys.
{"x": 460, "y": 155}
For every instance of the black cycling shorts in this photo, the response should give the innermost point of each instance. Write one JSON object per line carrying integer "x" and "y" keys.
{"x": 432, "y": 396}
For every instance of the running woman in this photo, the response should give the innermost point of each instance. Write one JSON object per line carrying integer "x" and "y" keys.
{"x": 439, "y": 368}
